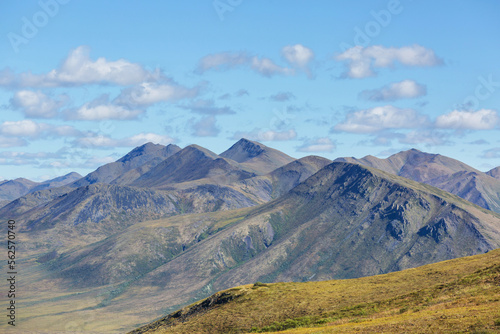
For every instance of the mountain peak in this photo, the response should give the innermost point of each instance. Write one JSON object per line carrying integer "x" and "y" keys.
{"x": 141, "y": 150}
{"x": 495, "y": 172}
{"x": 257, "y": 157}
{"x": 193, "y": 148}
{"x": 244, "y": 150}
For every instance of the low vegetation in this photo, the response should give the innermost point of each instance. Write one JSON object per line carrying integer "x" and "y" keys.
{"x": 461, "y": 295}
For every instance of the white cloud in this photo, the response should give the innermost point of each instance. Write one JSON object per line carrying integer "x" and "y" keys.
{"x": 406, "y": 89}
{"x": 222, "y": 61}
{"x": 266, "y": 135}
{"x": 25, "y": 158}
{"x": 205, "y": 127}
{"x": 323, "y": 144}
{"x": 380, "y": 118}
{"x": 484, "y": 119}
{"x": 78, "y": 69}
{"x": 362, "y": 60}
{"x": 102, "y": 109}
{"x": 428, "y": 137}
{"x": 93, "y": 140}
{"x": 36, "y": 104}
{"x": 31, "y": 129}
{"x": 24, "y": 128}
{"x": 297, "y": 55}
{"x": 143, "y": 138}
{"x": 148, "y": 93}
{"x": 268, "y": 68}
{"x": 226, "y": 60}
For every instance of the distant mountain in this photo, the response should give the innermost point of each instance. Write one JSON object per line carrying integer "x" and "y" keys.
{"x": 442, "y": 172}
{"x": 495, "y": 172}
{"x": 264, "y": 188}
{"x": 57, "y": 182}
{"x": 256, "y": 156}
{"x": 134, "y": 159}
{"x": 12, "y": 189}
{"x": 91, "y": 213}
{"x": 344, "y": 221}
{"x": 193, "y": 163}
{"x": 414, "y": 164}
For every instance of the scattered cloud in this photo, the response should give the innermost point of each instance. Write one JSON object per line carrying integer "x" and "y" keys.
{"x": 406, "y": 89}
{"x": 222, "y": 61}
{"x": 479, "y": 142}
{"x": 428, "y": 137}
{"x": 208, "y": 107}
{"x": 381, "y": 118}
{"x": 102, "y": 109}
{"x": 492, "y": 153}
{"x": 323, "y": 144}
{"x": 268, "y": 68}
{"x": 266, "y": 135}
{"x": 143, "y": 138}
{"x": 297, "y": 55}
{"x": 79, "y": 69}
{"x": 361, "y": 61}
{"x": 239, "y": 93}
{"x": 282, "y": 97}
{"x": 93, "y": 140}
{"x": 37, "y": 104}
{"x": 205, "y": 127}
{"x": 8, "y": 141}
{"x": 148, "y": 93}
{"x": 31, "y": 129}
{"x": 25, "y": 158}
{"x": 484, "y": 119}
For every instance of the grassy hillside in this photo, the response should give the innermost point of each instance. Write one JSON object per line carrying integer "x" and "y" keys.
{"x": 461, "y": 295}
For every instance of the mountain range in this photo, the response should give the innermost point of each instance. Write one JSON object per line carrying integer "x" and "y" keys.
{"x": 442, "y": 172}
{"x": 165, "y": 226}
{"x": 12, "y": 189}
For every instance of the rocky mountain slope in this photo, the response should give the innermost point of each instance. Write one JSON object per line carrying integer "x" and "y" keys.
{"x": 344, "y": 221}
{"x": 442, "y": 172}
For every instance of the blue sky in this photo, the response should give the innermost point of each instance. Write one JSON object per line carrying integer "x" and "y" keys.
{"x": 84, "y": 82}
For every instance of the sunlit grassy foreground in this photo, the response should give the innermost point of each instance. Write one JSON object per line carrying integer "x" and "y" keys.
{"x": 461, "y": 295}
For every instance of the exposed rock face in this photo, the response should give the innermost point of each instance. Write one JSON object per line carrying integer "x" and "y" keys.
{"x": 441, "y": 172}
